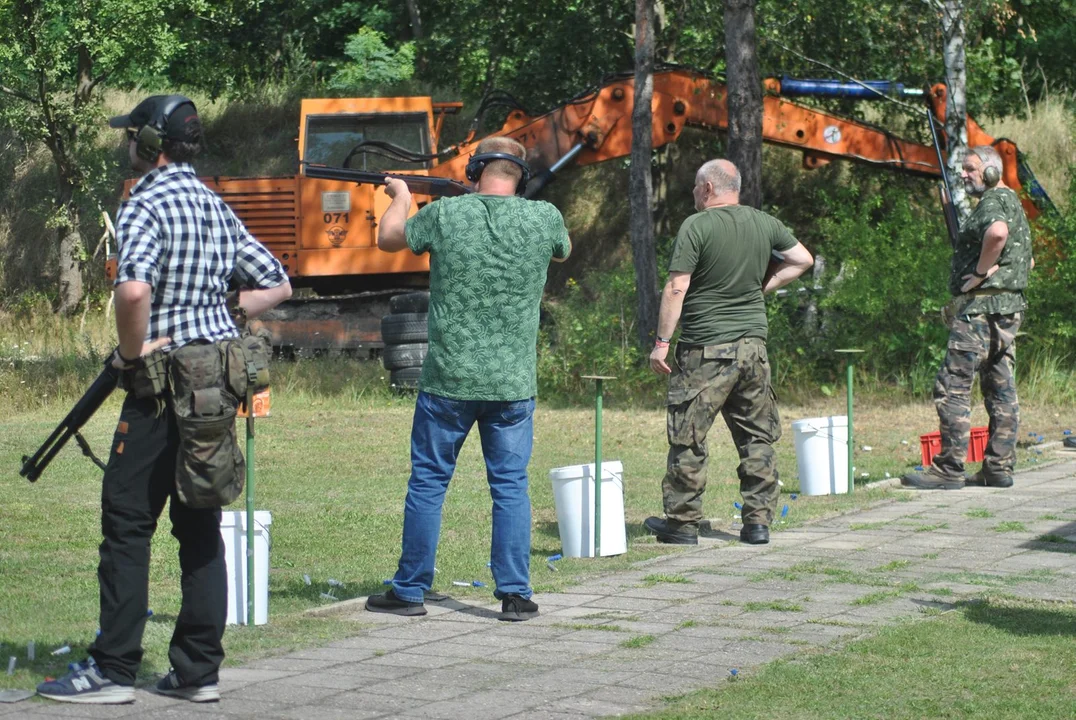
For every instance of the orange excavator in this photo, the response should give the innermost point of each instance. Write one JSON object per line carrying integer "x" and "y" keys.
{"x": 324, "y": 230}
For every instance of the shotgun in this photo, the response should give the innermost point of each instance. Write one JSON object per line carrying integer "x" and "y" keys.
{"x": 102, "y": 387}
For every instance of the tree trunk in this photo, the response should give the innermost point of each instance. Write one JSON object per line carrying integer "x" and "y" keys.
{"x": 416, "y": 19}
{"x": 956, "y": 107}
{"x": 745, "y": 98}
{"x": 639, "y": 182}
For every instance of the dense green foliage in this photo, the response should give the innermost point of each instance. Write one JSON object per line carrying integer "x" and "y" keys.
{"x": 879, "y": 233}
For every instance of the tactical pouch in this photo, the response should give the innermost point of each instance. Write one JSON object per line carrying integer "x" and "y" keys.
{"x": 210, "y": 470}
{"x": 247, "y": 365}
{"x": 148, "y": 378}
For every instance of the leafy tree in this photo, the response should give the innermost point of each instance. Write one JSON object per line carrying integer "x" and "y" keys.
{"x": 373, "y": 63}
{"x": 54, "y": 56}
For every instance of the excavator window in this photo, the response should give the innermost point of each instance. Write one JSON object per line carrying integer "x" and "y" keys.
{"x": 333, "y": 139}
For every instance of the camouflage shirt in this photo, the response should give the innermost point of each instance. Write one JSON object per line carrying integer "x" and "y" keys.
{"x": 1015, "y": 261}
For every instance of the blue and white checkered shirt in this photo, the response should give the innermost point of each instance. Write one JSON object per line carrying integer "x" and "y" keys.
{"x": 179, "y": 237}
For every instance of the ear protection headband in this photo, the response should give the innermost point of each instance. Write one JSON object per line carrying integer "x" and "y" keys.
{"x": 477, "y": 164}
{"x": 152, "y": 135}
{"x": 991, "y": 176}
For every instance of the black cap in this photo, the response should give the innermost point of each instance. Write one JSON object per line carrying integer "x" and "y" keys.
{"x": 182, "y": 123}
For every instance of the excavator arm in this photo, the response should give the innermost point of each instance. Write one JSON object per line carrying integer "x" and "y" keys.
{"x": 597, "y": 127}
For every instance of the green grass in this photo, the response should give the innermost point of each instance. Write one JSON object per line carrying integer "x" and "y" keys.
{"x": 931, "y": 528}
{"x": 587, "y": 626}
{"x": 876, "y": 597}
{"x": 657, "y": 578}
{"x": 774, "y": 605}
{"x": 995, "y": 659}
{"x": 979, "y": 513}
{"x": 1049, "y": 538}
{"x": 638, "y": 641}
{"x": 332, "y": 465}
{"x": 867, "y": 526}
{"x": 1041, "y": 575}
{"x": 895, "y": 565}
{"x": 1010, "y": 526}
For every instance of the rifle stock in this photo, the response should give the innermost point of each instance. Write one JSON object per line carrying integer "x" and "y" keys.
{"x": 422, "y": 184}
{"x": 69, "y": 427}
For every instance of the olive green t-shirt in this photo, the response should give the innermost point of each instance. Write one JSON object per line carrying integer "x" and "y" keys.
{"x": 488, "y": 260}
{"x": 1014, "y": 264}
{"x": 727, "y": 251}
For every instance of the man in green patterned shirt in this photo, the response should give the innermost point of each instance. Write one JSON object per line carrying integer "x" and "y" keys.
{"x": 991, "y": 263}
{"x": 489, "y": 253}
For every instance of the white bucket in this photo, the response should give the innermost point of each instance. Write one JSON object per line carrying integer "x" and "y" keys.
{"x": 573, "y": 495}
{"x": 822, "y": 454}
{"x": 233, "y": 528}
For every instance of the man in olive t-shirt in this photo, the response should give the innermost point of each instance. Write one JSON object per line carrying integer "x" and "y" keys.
{"x": 984, "y": 315}
{"x": 489, "y": 252}
{"x": 720, "y": 268}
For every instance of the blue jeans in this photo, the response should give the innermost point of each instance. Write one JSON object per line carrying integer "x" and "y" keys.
{"x": 440, "y": 426}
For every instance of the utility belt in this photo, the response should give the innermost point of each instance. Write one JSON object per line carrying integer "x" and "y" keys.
{"x": 956, "y": 307}
{"x": 204, "y": 383}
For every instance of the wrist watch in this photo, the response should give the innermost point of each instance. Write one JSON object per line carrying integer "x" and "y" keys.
{"x": 664, "y": 340}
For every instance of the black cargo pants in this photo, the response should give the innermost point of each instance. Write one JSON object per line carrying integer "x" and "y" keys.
{"x": 139, "y": 478}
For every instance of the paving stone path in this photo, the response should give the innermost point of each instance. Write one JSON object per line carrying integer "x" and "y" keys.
{"x": 621, "y": 642}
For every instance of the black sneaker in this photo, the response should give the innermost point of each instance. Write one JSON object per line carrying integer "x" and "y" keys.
{"x": 671, "y": 532}
{"x": 516, "y": 608}
{"x": 172, "y": 686}
{"x": 86, "y": 684}
{"x": 1069, "y": 442}
{"x": 754, "y": 534}
{"x": 387, "y": 602}
{"x": 930, "y": 480}
{"x": 979, "y": 479}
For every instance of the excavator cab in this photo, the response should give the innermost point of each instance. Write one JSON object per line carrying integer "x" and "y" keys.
{"x": 365, "y": 141}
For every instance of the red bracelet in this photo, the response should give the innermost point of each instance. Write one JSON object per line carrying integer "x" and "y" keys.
{"x": 660, "y": 344}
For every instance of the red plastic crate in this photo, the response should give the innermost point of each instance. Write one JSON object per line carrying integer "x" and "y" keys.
{"x": 930, "y": 445}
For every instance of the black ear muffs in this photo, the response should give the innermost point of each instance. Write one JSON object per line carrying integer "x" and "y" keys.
{"x": 151, "y": 136}
{"x": 991, "y": 176}
{"x": 478, "y": 163}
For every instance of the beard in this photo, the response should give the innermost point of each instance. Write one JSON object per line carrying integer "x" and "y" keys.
{"x": 976, "y": 189}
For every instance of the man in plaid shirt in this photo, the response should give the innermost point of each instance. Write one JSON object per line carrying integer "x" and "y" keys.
{"x": 179, "y": 246}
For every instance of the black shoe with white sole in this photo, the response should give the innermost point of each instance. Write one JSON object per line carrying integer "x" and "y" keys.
{"x": 172, "y": 686}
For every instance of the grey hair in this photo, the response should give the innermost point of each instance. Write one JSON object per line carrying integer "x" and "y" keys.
{"x": 721, "y": 181}
{"x": 988, "y": 156}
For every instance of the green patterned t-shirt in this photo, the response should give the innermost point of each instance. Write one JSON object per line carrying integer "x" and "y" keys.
{"x": 488, "y": 260}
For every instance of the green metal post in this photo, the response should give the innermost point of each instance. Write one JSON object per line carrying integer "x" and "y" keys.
{"x": 250, "y": 521}
{"x": 850, "y": 357}
{"x": 598, "y": 470}
{"x": 851, "y": 433}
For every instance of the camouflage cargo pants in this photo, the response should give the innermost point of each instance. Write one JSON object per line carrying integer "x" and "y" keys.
{"x": 733, "y": 379}
{"x": 983, "y": 344}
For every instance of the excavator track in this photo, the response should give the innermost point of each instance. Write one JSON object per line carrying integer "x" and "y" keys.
{"x": 335, "y": 323}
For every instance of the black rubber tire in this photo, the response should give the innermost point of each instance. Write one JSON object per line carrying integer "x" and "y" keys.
{"x": 398, "y": 357}
{"x": 413, "y": 302}
{"x": 405, "y": 378}
{"x": 404, "y": 328}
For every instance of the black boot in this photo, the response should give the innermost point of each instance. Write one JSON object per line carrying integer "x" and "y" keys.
{"x": 672, "y": 532}
{"x": 754, "y": 534}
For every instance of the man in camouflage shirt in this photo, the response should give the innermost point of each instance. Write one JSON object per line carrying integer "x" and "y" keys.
{"x": 722, "y": 264}
{"x": 991, "y": 263}
{"x": 489, "y": 253}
